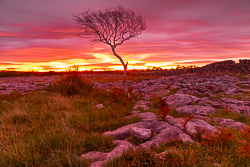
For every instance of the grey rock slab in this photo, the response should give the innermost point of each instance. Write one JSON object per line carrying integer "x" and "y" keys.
{"x": 102, "y": 158}
{"x": 218, "y": 120}
{"x": 159, "y": 126}
{"x": 160, "y": 93}
{"x": 196, "y": 109}
{"x": 196, "y": 127}
{"x": 230, "y": 90}
{"x": 207, "y": 119}
{"x": 148, "y": 117}
{"x": 232, "y": 107}
{"x": 141, "y": 133}
{"x": 177, "y": 122}
{"x": 121, "y": 147}
{"x": 148, "y": 89}
{"x": 125, "y": 131}
{"x": 166, "y": 135}
{"x": 185, "y": 138}
{"x": 178, "y": 100}
{"x": 232, "y": 101}
{"x": 234, "y": 125}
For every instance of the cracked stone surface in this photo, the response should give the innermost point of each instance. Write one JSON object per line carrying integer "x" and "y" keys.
{"x": 196, "y": 109}
{"x": 155, "y": 132}
{"x": 195, "y": 95}
{"x": 141, "y": 133}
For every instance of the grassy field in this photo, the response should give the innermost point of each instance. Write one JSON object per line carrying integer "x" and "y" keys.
{"x": 53, "y": 127}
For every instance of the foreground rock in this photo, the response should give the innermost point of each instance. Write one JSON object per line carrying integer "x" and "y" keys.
{"x": 142, "y": 131}
{"x": 25, "y": 84}
{"x": 196, "y": 110}
{"x": 200, "y": 128}
{"x": 154, "y": 132}
{"x": 178, "y": 100}
{"x": 100, "y": 159}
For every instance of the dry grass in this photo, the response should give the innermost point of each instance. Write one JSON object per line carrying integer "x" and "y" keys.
{"x": 53, "y": 128}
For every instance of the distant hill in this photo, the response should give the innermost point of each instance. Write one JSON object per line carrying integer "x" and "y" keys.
{"x": 227, "y": 66}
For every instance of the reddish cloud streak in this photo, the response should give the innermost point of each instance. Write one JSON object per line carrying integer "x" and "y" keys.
{"x": 178, "y": 32}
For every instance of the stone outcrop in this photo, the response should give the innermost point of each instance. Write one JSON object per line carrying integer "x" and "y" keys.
{"x": 195, "y": 110}
{"x": 25, "y": 84}
{"x": 141, "y": 133}
{"x": 100, "y": 159}
{"x": 194, "y": 97}
{"x": 200, "y": 127}
{"x": 195, "y": 100}
{"x": 178, "y": 100}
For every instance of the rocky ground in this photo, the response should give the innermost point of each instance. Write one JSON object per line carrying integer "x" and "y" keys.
{"x": 31, "y": 83}
{"x": 194, "y": 95}
{"x": 188, "y": 94}
{"x": 24, "y": 84}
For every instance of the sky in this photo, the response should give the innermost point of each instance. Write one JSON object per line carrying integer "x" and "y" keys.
{"x": 40, "y": 35}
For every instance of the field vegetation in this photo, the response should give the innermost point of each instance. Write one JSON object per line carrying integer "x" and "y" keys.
{"x": 54, "y": 126}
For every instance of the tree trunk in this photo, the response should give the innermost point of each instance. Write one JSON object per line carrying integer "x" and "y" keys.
{"x": 125, "y": 86}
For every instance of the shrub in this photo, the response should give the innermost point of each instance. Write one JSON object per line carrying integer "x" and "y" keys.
{"x": 72, "y": 84}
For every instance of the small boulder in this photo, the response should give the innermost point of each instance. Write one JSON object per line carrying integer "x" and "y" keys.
{"x": 148, "y": 117}
{"x": 207, "y": 119}
{"x": 160, "y": 93}
{"x": 166, "y": 135}
{"x": 100, "y": 106}
{"x": 178, "y": 100}
{"x": 100, "y": 159}
{"x": 234, "y": 125}
{"x": 185, "y": 138}
{"x": 196, "y": 127}
{"x": 159, "y": 126}
{"x": 141, "y": 133}
{"x": 125, "y": 131}
{"x": 177, "y": 122}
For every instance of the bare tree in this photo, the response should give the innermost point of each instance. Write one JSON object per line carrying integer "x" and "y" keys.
{"x": 112, "y": 26}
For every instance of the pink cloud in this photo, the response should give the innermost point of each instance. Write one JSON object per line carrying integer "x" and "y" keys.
{"x": 176, "y": 30}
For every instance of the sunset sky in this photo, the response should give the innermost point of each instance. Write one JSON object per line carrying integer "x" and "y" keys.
{"x": 40, "y": 35}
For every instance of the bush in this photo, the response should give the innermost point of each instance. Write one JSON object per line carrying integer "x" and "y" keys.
{"x": 71, "y": 84}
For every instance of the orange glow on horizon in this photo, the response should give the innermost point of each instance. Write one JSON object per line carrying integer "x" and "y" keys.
{"x": 102, "y": 63}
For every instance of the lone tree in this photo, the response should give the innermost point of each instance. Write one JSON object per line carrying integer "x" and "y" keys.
{"x": 112, "y": 26}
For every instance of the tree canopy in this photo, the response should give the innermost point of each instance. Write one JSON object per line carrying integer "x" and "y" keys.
{"x": 112, "y": 26}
